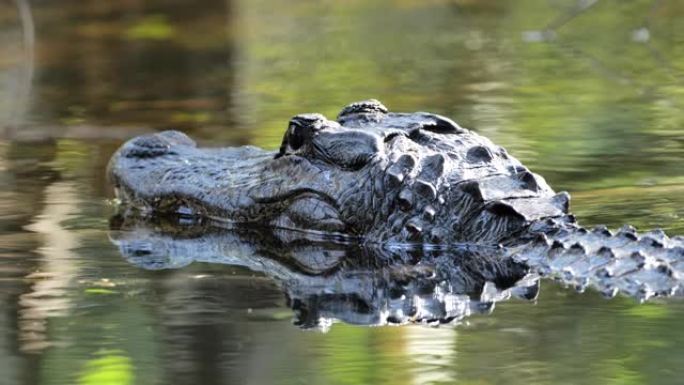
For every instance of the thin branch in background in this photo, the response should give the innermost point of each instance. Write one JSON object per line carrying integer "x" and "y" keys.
{"x": 564, "y": 18}
{"x": 658, "y": 56}
{"x": 596, "y": 63}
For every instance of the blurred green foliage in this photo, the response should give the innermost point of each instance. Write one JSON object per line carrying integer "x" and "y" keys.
{"x": 153, "y": 27}
{"x": 110, "y": 368}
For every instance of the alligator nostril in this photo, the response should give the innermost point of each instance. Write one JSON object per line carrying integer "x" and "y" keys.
{"x": 369, "y": 106}
{"x": 153, "y": 145}
{"x": 312, "y": 122}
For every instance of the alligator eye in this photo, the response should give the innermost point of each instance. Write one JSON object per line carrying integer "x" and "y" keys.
{"x": 295, "y": 138}
{"x": 300, "y": 130}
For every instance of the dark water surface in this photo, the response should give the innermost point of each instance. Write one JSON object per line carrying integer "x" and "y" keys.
{"x": 589, "y": 94}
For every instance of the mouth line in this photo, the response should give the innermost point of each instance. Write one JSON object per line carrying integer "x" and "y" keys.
{"x": 296, "y": 194}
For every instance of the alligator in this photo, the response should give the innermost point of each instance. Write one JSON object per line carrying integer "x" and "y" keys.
{"x": 393, "y": 180}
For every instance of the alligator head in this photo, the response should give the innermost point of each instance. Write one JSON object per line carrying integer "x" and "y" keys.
{"x": 373, "y": 174}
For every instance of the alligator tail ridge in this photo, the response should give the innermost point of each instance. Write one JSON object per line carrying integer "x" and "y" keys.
{"x": 645, "y": 265}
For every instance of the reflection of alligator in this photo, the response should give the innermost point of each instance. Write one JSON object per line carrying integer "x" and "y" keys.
{"x": 394, "y": 179}
{"x": 326, "y": 280}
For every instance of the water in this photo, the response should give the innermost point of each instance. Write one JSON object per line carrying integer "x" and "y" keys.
{"x": 589, "y": 94}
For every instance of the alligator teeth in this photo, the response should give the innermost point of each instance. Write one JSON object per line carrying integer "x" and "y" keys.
{"x": 364, "y": 106}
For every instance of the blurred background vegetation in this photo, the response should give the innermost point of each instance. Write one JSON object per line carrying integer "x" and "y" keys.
{"x": 588, "y": 93}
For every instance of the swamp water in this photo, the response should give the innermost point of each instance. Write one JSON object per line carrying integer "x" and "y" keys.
{"x": 589, "y": 94}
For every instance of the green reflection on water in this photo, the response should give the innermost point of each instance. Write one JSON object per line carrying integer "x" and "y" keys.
{"x": 111, "y": 368}
{"x": 153, "y": 27}
{"x": 649, "y": 311}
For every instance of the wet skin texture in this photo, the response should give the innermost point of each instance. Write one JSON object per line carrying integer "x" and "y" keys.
{"x": 325, "y": 281}
{"x": 393, "y": 179}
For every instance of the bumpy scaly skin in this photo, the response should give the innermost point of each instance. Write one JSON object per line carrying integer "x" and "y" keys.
{"x": 393, "y": 178}
{"x": 325, "y": 281}
{"x": 642, "y": 266}
{"x": 385, "y": 177}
